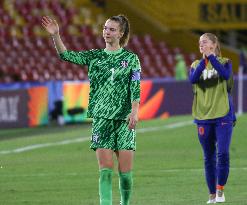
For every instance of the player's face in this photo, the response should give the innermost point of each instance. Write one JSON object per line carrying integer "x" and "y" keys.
{"x": 111, "y": 32}
{"x": 206, "y": 45}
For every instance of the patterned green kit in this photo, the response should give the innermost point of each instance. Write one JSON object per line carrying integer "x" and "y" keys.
{"x": 114, "y": 84}
{"x": 114, "y": 81}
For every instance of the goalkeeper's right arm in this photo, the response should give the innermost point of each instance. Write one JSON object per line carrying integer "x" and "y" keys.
{"x": 51, "y": 26}
{"x": 60, "y": 47}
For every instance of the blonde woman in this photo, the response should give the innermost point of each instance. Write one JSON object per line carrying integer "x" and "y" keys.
{"x": 213, "y": 111}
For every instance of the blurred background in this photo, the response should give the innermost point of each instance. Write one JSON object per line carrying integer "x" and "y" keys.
{"x": 36, "y": 87}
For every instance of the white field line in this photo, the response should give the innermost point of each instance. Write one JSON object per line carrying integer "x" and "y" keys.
{"x": 234, "y": 169}
{"x": 37, "y": 146}
{"x": 170, "y": 126}
{"x": 83, "y": 139}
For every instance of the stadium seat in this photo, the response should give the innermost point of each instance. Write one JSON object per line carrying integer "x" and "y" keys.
{"x": 27, "y": 45}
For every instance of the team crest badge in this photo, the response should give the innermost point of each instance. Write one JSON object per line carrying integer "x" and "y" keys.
{"x": 124, "y": 63}
{"x": 201, "y": 130}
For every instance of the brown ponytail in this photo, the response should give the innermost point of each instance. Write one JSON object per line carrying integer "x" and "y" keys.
{"x": 124, "y": 27}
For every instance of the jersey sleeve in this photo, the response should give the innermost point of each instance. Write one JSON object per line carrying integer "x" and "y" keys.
{"x": 135, "y": 80}
{"x": 224, "y": 69}
{"x": 196, "y": 70}
{"x": 77, "y": 57}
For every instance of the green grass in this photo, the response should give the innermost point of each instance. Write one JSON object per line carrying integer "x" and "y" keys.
{"x": 168, "y": 166}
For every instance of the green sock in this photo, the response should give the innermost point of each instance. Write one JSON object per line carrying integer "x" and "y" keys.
{"x": 105, "y": 186}
{"x": 125, "y": 186}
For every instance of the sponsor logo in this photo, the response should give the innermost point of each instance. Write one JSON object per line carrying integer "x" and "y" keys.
{"x": 209, "y": 73}
{"x": 9, "y": 108}
{"x": 224, "y": 123}
{"x": 95, "y": 138}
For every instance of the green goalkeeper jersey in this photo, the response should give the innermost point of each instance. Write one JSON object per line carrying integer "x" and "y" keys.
{"x": 114, "y": 81}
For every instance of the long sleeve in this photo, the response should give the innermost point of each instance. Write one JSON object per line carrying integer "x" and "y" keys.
{"x": 135, "y": 81}
{"x": 195, "y": 73}
{"x": 224, "y": 70}
{"x": 81, "y": 57}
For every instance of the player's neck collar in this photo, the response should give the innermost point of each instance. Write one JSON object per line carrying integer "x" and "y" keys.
{"x": 113, "y": 52}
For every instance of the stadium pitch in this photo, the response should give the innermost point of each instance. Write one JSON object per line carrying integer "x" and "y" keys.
{"x": 53, "y": 165}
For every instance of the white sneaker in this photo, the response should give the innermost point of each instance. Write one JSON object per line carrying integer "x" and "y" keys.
{"x": 220, "y": 197}
{"x": 211, "y": 201}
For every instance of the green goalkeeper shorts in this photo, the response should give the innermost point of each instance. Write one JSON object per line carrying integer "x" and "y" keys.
{"x": 112, "y": 134}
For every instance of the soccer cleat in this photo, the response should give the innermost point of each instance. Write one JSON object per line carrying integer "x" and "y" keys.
{"x": 211, "y": 201}
{"x": 220, "y": 197}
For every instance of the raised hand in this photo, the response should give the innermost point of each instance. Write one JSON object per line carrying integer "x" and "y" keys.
{"x": 50, "y": 25}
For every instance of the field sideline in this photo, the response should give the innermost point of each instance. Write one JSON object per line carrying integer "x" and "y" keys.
{"x": 53, "y": 165}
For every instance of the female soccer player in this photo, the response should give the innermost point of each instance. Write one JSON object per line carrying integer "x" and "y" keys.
{"x": 213, "y": 112}
{"x": 114, "y": 75}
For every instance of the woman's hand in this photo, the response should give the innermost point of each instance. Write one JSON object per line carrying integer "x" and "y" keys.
{"x": 132, "y": 120}
{"x": 50, "y": 25}
{"x": 209, "y": 51}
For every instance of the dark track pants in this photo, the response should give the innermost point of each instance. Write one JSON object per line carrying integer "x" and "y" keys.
{"x": 215, "y": 139}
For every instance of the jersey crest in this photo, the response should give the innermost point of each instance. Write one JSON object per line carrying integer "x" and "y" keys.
{"x": 124, "y": 63}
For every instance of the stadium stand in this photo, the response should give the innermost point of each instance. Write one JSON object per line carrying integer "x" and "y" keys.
{"x": 28, "y": 54}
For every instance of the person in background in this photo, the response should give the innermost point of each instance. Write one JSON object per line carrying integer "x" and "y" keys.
{"x": 243, "y": 60}
{"x": 180, "y": 68}
{"x": 213, "y": 111}
{"x": 114, "y": 75}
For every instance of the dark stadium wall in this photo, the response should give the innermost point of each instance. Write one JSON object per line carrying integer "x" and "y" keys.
{"x": 160, "y": 98}
{"x": 23, "y": 107}
{"x": 13, "y": 108}
{"x": 29, "y": 105}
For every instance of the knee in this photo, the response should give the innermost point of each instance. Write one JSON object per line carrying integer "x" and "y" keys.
{"x": 106, "y": 164}
{"x": 105, "y": 159}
